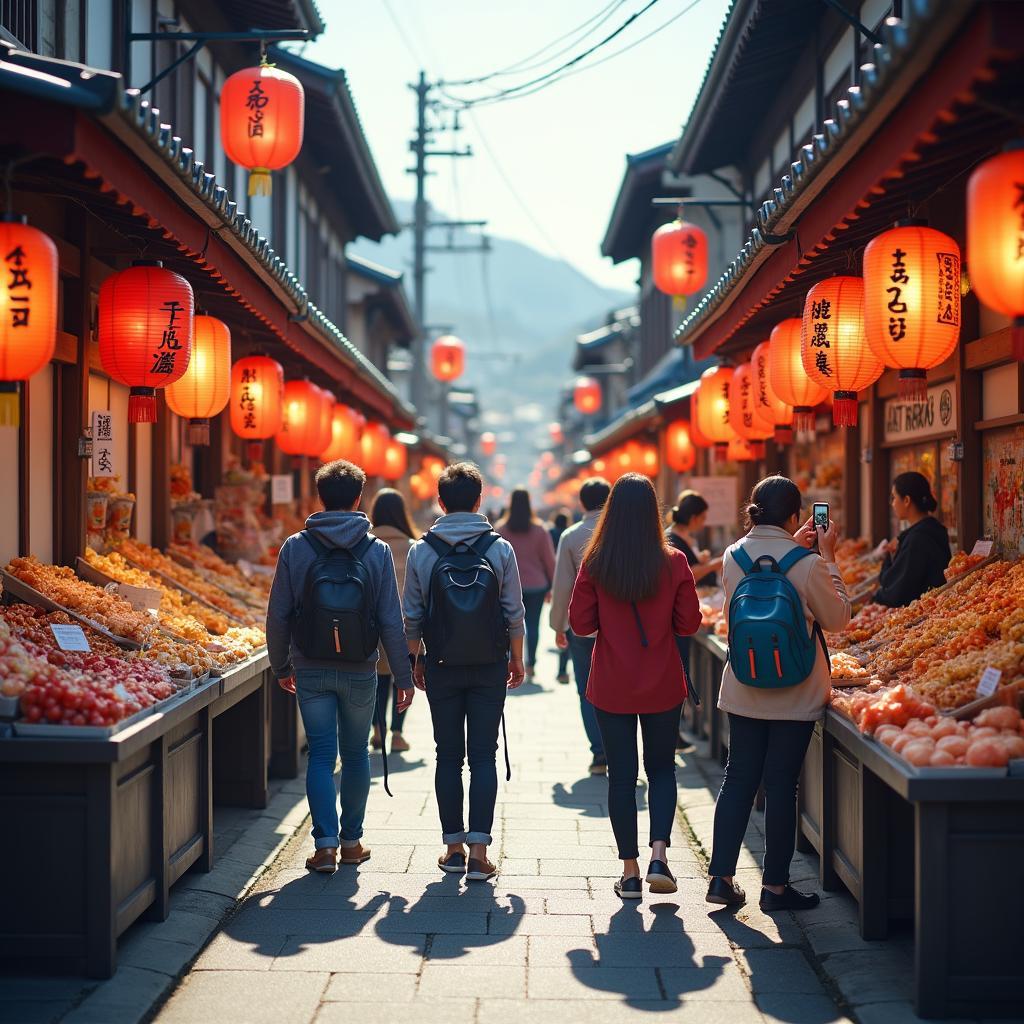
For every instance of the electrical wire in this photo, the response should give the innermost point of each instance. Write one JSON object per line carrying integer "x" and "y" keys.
{"x": 400, "y": 29}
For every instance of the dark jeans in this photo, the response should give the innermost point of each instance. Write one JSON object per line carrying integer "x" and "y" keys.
{"x": 659, "y": 733}
{"x": 386, "y": 688}
{"x": 581, "y": 648}
{"x": 534, "y": 602}
{"x": 563, "y": 661}
{"x": 769, "y": 750}
{"x": 466, "y": 703}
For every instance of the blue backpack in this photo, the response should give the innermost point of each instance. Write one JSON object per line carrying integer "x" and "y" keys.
{"x": 769, "y": 646}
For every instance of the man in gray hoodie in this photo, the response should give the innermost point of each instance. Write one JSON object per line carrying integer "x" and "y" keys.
{"x": 336, "y": 698}
{"x": 466, "y": 701}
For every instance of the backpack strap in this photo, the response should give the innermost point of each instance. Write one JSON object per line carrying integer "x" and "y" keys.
{"x": 791, "y": 558}
{"x": 439, "y": 547}
{"x": 319, "y": 547}
{"x": 359, "y": 551}
{"x": 484, "y": 542}
{"x": 743, "y": 560}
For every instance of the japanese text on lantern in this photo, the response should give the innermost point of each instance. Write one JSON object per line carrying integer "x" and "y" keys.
{"x": 103, "y": 443}
{"x": 170, "y": 344}
{"x": 949, "y": 288}
{"x": 689, "y": 244}
{"x": 746, "y": 412}
{"x": 821, "y": 315}
{"x": 896, "y": 305}
{"x": 256, "y": 101}
{"x": 18, "y": 287}
{"x": 247, "y": 401}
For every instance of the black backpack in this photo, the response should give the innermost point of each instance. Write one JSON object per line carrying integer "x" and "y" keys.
{"x": 335, "y": 620}
{"x": 465, "y": 624}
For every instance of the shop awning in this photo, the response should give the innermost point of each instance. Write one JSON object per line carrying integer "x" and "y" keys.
{"x": 392, "y": 297}
{"x": 628, "y": 232}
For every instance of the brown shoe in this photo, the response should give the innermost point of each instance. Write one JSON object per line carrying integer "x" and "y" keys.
{"x": 480, "y": 870}
{"x": 354, "y": 854}
{"x": 324, "y": 860}
{"x": 399, "y": 744}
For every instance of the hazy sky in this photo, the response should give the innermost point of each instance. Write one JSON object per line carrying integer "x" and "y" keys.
{"x": 563, "y": 149}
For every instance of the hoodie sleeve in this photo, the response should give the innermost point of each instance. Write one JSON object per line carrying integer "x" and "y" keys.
{"x": 583, "y": 612}
{"x": 414, "y": 602}
{"x": 389, "y": 620}
{"x": 547, "y": 555}
{"x": 280, "y": 612}
{"x": 561, "y": 587}
{"x": 512, "y": 591}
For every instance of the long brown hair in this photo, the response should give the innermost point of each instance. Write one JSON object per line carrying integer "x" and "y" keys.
{"x": 520, "y": 515}
{"x": 389, "y": 509}
{"x": 628, "y": 552}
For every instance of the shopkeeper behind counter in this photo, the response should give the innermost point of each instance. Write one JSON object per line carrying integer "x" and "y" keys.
{"x": 688, "y": 519}
{"x": 921, "y": 550}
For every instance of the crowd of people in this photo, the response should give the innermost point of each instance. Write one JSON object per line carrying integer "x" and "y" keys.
{"x": 364, "y": 611}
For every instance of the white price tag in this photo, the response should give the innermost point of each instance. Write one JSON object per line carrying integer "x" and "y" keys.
{"x": 282, "y": 489}
{"x": 983, "y": 548}
{"x": 140, "y": 598}
{"x": 70, "y": 638}
{"x": 989, "y": 682}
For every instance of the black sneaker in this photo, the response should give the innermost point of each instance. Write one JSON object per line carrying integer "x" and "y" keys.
{"x": 726, "y": 895}
{"x": 788, "y": 899}
{"x": 660, "y": 879}
{"x": 629, "y": 888}
{"x": 599, "y": 766}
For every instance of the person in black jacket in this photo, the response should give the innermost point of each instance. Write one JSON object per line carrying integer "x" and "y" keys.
{"x": 922, "y": 549}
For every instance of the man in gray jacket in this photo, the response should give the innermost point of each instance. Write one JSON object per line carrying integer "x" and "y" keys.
{"x": 466, "y": 700}
{"x": 593, "y": 494}
{"x": 336, "y": 698}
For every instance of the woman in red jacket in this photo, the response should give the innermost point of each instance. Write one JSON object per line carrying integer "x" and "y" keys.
{"x": 637, "y": 594}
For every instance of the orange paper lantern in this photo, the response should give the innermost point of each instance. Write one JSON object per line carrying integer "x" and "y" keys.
{"x": 346, "y": 425}
{"x": 257, "y": 401}
{"x": 374, "y": 445}
{"x": 300, "y": 432}
{"x": 145, "y": 328}
{"x": 396, "y": 461}
{"x": 326, "y": 432}
{"x": 28, "y": 309}
{"x": 787, "y": 378}
{"x": 713, "y": 407}
{"x": 995, "y": 237}
{"x": 912, "y": 302}
{"x": 768, "y": 407}
{"x": 262, "y": 115}
{"x": 448, "y": 358}
{"x": 205, "y": 388}
{"x": 740, "y": 450}
{"x": 679, "y": 258}
{"x": 646, "y": 459}
{"x": 488, "y": 443}
{"x": 433, "y": 467}
{"x": 555, "y": 430}
{"x": 742, "y": 413}
{"x": 833, "y": 347}
{"x": 680, "y": 453}
{"x": 586, "y": 395}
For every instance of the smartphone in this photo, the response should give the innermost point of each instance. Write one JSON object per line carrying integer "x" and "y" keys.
{"x": 820, "y": 516}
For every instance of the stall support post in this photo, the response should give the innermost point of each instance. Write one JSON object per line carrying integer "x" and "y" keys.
{"x": 851, "y": 525}
{"x": 931, "y": 888}
{"x": 873, "y": 905}
{"x": 970, "y": 485}
{"x": 879, "y": 470}
{"x": 826, "y": 865}
{"x": 101, "y": 937}
{"x": 161, "y": 845}
{"x": 205, "y": 861}
{"x": 161, "y": 463}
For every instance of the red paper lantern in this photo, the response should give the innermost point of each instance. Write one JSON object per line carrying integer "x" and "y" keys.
{"x": 742, "y": 412}
{"x": 300, "y": 432}
{"x": 740, "y": 450}
{"x": 995, "y": 237}
{"x": 28, "y": 309}
{"x": 346, "y": 425}
{"x": 262, "y": 115}
{"x": 448, "y": 358}
{"x": 145, "y": 328}
{"x": 787, "y": 378}
{"x": 713, "y": 408}
{"x": 396, "y": 461}
{"x": 488, "y": 443}
{"x": 257, "y": 401}
{"x": 680, "y": 453}
{"x": 326, "y": 432}
{"x": 646, "y": 458}
{"x": 586, "y": 395}
{"x": 679, "y": 258}
{"x": 205, "y": 388}
{"x": 912, "y": 302}
{"x": 374, "y": 445}
{"x": 768, "y": 407}
{"x": 557, "y": 435}
{"x": 833, "y": 347}
{"x": 433, "y": 467}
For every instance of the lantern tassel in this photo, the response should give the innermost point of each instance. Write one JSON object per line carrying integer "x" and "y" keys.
{"x": 1017, "y": 337}
{"x": 844, "y": 408}
{"x": 803, "y": 419}
{"x": 199, "y": 432}
{"x": 721, "y": 452}
{"x": 10, "y": 404}
{"x": 260, "y": 182}
{"x": 913, "y": 385}
{"x": 757, "y": 449}
{"x": 783, "y": 434}
{"x": 679, "y": 303}
{"x": 142, "y": 405}
{"x": 254, "y": 449}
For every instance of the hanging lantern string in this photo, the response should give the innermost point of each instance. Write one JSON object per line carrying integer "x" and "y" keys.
{"x": 9, "y": 170}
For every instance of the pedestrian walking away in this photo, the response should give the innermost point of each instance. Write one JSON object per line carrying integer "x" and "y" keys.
{"x": 463, "y": 598}
{"x": 773, "y": 690}
{"x": 637, "y": 594}
{"x": 535, "y": 556}
{"x": 558, "y": 526}
{"x": 593, "y": 494}
{"x": 333, "y": 599}
{"x": 391, "y": 524}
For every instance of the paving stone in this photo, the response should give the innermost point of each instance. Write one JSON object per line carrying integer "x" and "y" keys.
{"x": 782, "y": 971}
{"x": 351, "y": 955}
{"x": 897, "y": 1013}
{"x": 267, "y": 998}
{"x": 354, "y": 987}
{"x": 612, "y": 1011}
{"x": 126, "y": 998}
{"x": 478, "y": 950}
{"x": 447, "y": 981}
{"x": 539, "y": 924}
{"x": 155, "y": 954}
{"x": 546, "y": 882}
{"x": 592, "y": 983}
{"x": 835, "y": 937}
{"x": 720, "y": 983}
{"x": 562, "y": 950}
{"x": 225, "y": 953}
{"x": 423, "y": 1011}
{"x": 701, "y": 949}
{"x": 804, "y": 1008}
{"x": 874, "y": 976}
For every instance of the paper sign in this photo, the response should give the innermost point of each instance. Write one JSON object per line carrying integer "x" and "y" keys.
{"x": 140, "y": 598}
{"x": 983, "y": 548}
{"x": 908, "y": 420}
{"x": 720, "y": 492}
{"x": 103, "y": 444}
{"x": 70, "y": 638}
{"x": 989, "y": 682}
{"x": 282, "y": 489}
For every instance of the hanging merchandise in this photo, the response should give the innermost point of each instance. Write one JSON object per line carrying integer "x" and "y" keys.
{"x": 346, "y": 425}
{"x": 145, "y": 329}
{"x": 396, "y": 461}
{"x": 586, "y": 395}
{"x": 833, "y": 347}
{"x": 788, "y": 380}
{"x": 743, "y": 417}
{"x": 448, "y": 358}
{"x": 995, "y": 237}
{"x": 262, "y": 115}
{"x": 205, "y": 388}
{"x": 679, "y": 259}
{"x": 713, "y": 408}
{"x": 257, "y": 401}
{"x": 680, "y": 453}
{"x": 373, "y": 445}
{"x": 488, "y": 443}
{"x": 912, "y": 301}
{"x": 28, "y": 309}
{"x": 300, "y": 421}
{"x": 768, "y": 407}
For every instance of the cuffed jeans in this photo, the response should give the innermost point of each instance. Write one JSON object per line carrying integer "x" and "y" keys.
{"x": 659, "y": 731}
{"x": 581, "y": 650}
{"x": 337, "y": 711}
{"x": 466, "y": 702}
{"x": 769, "y": 750}
{"x": 533, "y": 602}
{"x": 386, "y": 690}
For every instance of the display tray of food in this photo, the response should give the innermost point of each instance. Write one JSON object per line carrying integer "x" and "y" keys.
{"x": 253, "y": 588}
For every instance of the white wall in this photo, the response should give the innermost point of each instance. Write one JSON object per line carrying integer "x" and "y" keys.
{"x": 99, "y": 49}
{"x": 42, "y": 454}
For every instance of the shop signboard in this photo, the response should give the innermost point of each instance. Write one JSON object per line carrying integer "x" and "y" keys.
{"x": 282, "y": 489}
{"x": 908, "y": 421}
{"x": 103, "y": 460}
{"x": 720, "y": 492}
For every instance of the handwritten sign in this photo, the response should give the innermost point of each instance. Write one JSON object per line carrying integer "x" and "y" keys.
{"x": 914, "y": 421}
{"x": 282, "y": 489}
{"x": 989, "y": 682}
{"x": 103, "y": 463}
{"x": 721, "y": 494}
{"x": 983, "y": 548}
{"x": 70, "y": 638}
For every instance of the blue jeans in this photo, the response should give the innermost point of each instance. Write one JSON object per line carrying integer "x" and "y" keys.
{"x": 533, "y": 602}
{"x": 337, "y": 711}
{"x": 581, "y": 650}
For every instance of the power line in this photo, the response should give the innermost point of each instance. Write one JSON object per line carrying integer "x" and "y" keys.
{"x": 515, "y": 89}
{"x": 400, "y": 28}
